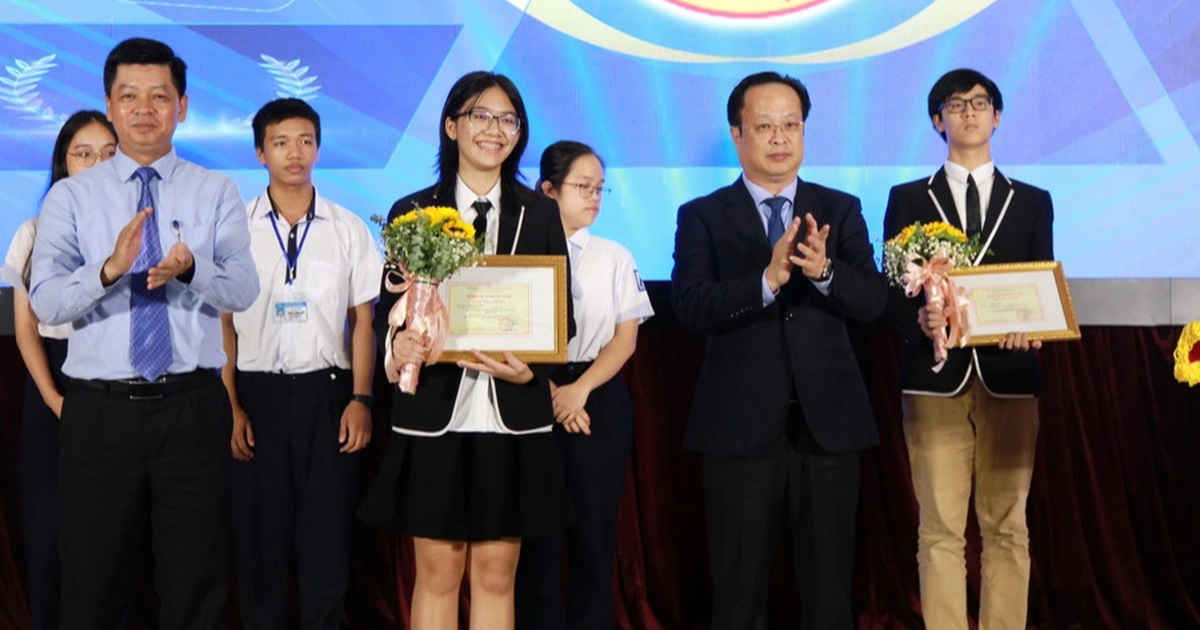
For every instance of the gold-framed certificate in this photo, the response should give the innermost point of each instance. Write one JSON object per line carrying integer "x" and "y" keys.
{"x": 516, "y": 304}
{"x": 1031, "y": 298}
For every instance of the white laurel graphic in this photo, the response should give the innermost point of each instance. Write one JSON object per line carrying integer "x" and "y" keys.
{"x": 289, "y": 75}
{"x": 19, "y": 89}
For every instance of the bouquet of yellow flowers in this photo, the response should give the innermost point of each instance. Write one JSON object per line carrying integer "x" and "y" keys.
{"x": 920, "y": 258}
{"x": 423, "y": 247}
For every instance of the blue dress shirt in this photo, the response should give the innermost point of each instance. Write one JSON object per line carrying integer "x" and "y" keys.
{"x": 77, "y": 230}
{"x": 760, "y": 196}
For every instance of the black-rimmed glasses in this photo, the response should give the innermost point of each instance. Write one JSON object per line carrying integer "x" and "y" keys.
{"x": 956, "y": 105}
{"x": 481, "y": 120}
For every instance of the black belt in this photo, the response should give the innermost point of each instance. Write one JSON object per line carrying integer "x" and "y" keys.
{"x": 141, "y": 389}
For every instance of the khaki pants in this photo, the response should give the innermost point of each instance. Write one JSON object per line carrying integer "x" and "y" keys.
{"x": 950, "y": 441}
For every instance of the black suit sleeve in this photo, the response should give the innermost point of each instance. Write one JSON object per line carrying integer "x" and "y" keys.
{"x": 857, "y": 291}
{"x": 703, "y": 300}
{"x": 556, "y": 245}
{"x": 1043, "y": 230}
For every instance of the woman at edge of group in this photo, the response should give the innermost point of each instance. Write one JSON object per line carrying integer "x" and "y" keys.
{"x": 469, "y": 469}
{"x": 86, "y": 138}
{"x": 591, "y": 404}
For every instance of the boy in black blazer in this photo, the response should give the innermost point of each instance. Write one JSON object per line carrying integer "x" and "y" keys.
{"x": 977, "y": 418}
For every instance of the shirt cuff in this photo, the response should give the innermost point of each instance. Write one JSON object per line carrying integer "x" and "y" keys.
{"x": 823, "y": 285}
{"x": 768, "y": 295}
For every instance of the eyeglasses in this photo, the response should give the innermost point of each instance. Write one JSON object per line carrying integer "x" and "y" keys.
{"x": 979, "y": 103}
{"x": 481, "y": 120}
{"x": 764, "y": 130}
{"x": 89, "y": 157}
{"x": 587, "y": 190}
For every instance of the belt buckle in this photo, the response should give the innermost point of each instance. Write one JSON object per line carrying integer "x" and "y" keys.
{"x": 145, "y": 390}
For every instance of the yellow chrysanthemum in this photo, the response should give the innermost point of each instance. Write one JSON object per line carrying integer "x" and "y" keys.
{"x": 407, "y": 217}
{"x": 456, "y": 228}
{"x": 1187, "y": 355}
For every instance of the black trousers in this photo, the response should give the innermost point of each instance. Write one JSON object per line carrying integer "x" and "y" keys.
{"x": 37, "y": 455}
{"x": 746, "y": 500}
{"x": 297, "y": 495}
{"x": 594, "y": 468}
{"x": 124, "y": 461}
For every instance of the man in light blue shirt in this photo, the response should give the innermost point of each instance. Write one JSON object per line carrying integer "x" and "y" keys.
{"x": 140, "y": 256}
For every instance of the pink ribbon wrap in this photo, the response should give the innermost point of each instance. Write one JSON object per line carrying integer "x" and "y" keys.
{"x": 422, "y": 308}
{"x": 933, "y": 277}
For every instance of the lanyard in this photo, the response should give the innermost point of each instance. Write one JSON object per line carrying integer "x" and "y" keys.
{"x": 291, "y": 252}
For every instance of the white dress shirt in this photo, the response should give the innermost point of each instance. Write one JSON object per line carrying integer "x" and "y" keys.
{"x": 13, "y": 272}
{"x": 475, "y": 408}
{"x": 606, "y": 290}
{"x": 301, "y": 327}
{"x": 956, "y": 177}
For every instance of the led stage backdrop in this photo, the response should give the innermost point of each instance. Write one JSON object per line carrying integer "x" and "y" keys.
{"x": 1102, "y": 98}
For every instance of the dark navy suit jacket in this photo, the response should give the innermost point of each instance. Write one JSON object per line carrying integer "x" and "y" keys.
{"x": 759, "y": 357}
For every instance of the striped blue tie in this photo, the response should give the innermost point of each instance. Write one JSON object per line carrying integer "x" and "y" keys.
{"x": 149, "y": 327}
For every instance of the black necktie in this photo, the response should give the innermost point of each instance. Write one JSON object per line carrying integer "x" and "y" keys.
{"x": 974, "y": 219}
{"x": 481, "y": 209}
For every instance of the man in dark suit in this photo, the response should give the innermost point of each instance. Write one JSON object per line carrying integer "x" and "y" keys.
{"x": 977, "y": 418}
{"x": 781, "y": 410}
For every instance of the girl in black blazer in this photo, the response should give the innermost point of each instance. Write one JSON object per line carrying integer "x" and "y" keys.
{"x": 469, "y": 470}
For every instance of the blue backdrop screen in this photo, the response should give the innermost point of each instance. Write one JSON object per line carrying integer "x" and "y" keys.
{"x": 1102, "y": 98}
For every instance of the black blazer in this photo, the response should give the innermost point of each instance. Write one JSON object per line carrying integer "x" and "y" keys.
{"x": 1018, "y": 228}
{"x": 758, "y": 357}
{"x": 522, "y": 407}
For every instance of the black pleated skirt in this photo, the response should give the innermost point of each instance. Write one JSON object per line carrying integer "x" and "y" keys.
{"x": 469, "y": 487}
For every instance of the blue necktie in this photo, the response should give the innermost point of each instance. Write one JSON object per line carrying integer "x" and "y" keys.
{"x": 149, "y": 327}
{"x": 775, "y": 220}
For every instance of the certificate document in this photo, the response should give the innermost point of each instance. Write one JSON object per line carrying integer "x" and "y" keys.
{"x": 512, "y": 304}
{"x": 1031, "y": 298}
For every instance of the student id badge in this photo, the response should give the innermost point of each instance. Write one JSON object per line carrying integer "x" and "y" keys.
{"x": 289, "y": 308}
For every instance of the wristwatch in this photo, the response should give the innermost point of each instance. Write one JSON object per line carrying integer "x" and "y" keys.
{"x": 365, "y": 399}
{"x": 826, "y": 271}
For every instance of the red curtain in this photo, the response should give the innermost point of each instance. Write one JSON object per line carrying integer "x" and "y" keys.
{"x": 1114, "y": 511}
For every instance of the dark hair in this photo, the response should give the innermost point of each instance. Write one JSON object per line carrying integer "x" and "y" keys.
{"x": 62, "y": 144}
{"x": 737, "y": 98}
{"x": 58, "y": 157}
{"x": 557, "y": 160}
{"x": 960, "y": 81}
{"x": 142, "y": 51}
{"x": 282, "y": 109}
{"x": 462, "y": 96}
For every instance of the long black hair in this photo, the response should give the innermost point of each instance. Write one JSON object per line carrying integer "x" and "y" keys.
{"x": 58, "y": 157}
{"x": 77, "y": 121}
{"x": 462, "y": 96}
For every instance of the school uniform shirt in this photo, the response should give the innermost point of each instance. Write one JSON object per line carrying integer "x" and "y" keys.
{"x": 300, "y": 326}
{"x": 606, "y": 290}
{"x": 13, "y": 272}
{"x": 956, "y": 178}
{"x": 475, "y": 409}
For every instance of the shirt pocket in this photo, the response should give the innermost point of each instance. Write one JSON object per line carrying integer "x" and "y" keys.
{"x": 324, "y": 282}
